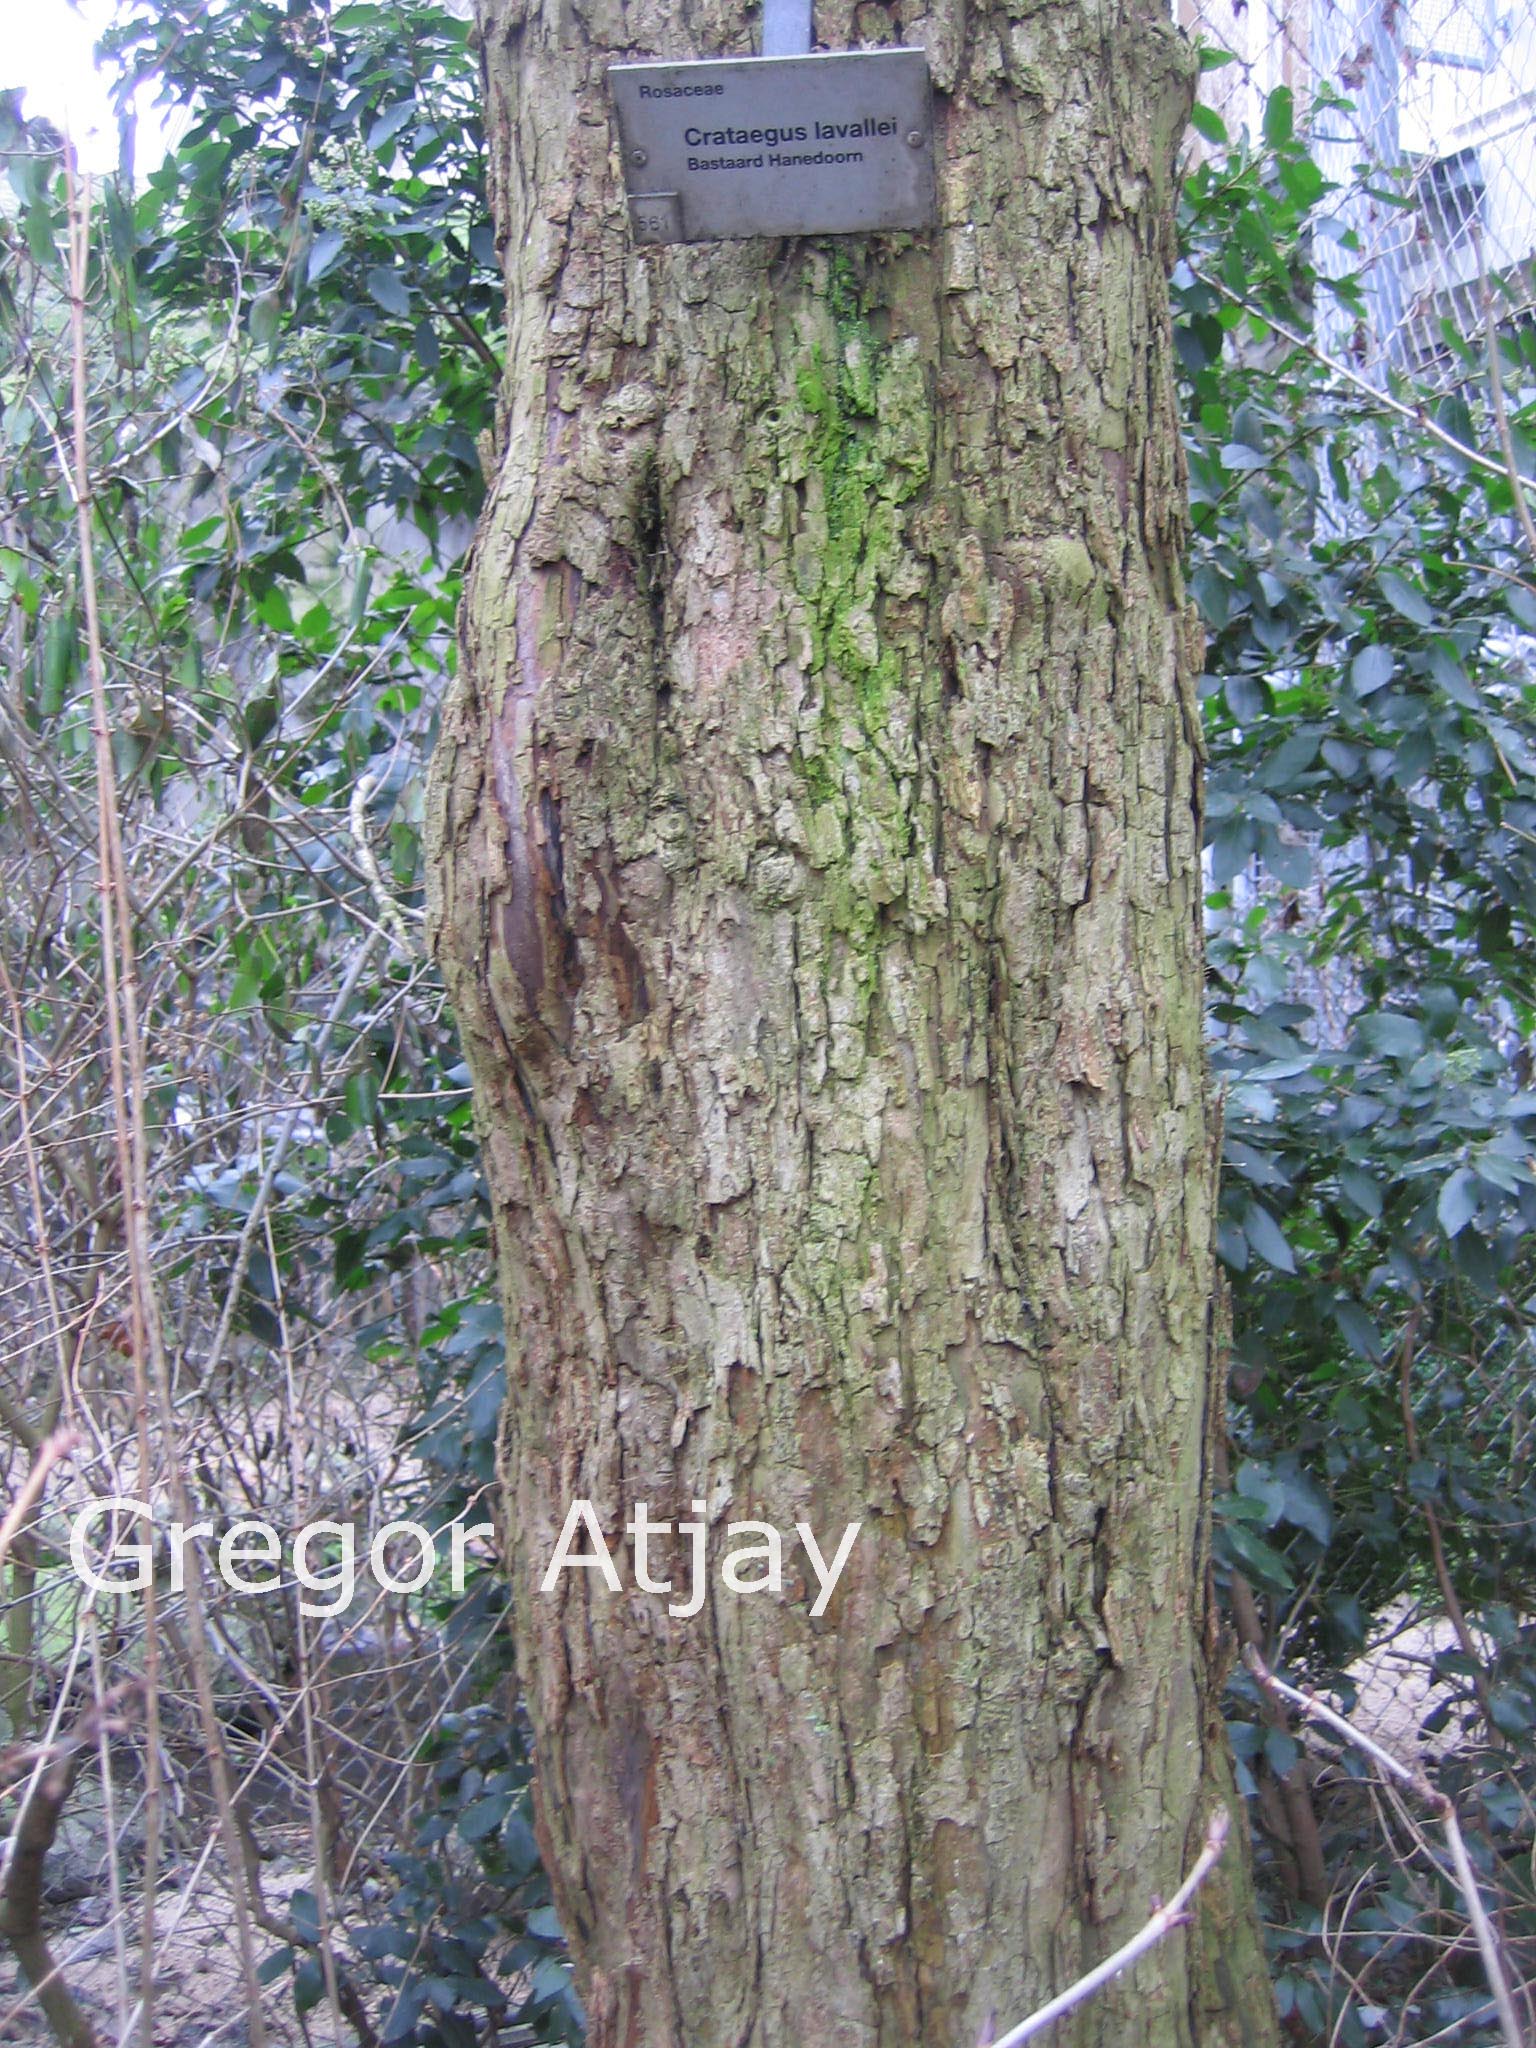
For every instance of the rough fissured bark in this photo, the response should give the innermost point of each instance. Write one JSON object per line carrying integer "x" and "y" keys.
{"x": 816, "y": 870}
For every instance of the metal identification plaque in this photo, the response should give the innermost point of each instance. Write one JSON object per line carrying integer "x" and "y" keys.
{"x": 837, "y": 143}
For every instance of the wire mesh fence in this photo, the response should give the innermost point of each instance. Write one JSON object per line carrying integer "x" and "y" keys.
{"x": 1438, "y": 98}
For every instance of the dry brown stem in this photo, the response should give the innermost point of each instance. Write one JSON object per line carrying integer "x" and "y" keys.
{"x": 1414, "y": 1779}
{"x": 1160, "y": 1924}
{"x": 48, "y": 1775}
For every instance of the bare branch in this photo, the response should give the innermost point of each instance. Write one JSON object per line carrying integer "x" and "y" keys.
{"x": 1496, "y": 393}
{"x": 1413, "y": 1777}
{"x": 1163, "y": 1922}
{"x": 58, "y": 1446}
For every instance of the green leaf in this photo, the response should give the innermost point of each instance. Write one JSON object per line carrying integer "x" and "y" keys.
{"x": 484, "y": 1817}
{"x": 1359, "y": 1330}
{"x": 1232, "y": 1247}
{"x": 1391, "y": 1035}
{"x": 519, "y": 1847}
{"x": 274, "y": 610}
{"x": 1303, "y": 181}
{"x": 1246, "y": 698}
{"x": 314, "y": 625}
{"x": 1449, "y": 675}
{"x": 1454, "y": 417}
{"x": 308, "y": 1984}
{"x": 361, "y": 1096}
{"x": 1425, "y": 1478}
{"x": 244, "y": 990}
{"x": 265, "y": 316}
{"x": 1256, "y": 1167}
{"x": 1287, "y": 860}
{"x": 323, "y": 253}
{"x": 1256, "y": 1482}
{"x": 1267, "y": 1238}
{"x": 1290, "y": 761}
{"x": 386, "y": 290}
{"x": 261, "y": 714}
{"x": 1411, "y": 604}
{"x": 1207, "y": 122}
{"x": 1458, "y": 1202}
{"x": 1231, "y": 850}
{"x": 1510, "y": 1711}
{"x": 400, "y": 2018}
{"x": 1305, "y": 1507}
{"x": 389, "y": 124}
{"x": 60, "y": 643}
{"x": 1371, "y": 670}
{"x": 304, "y": 1911}
{"x": 1358, "y": 1187}
{"x": 1279, "y": 117}
{"x": 1282, "y": 1752}
{"x": 1257, "y": 1558}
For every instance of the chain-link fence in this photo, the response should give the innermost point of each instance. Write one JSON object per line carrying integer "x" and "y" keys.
{"x": 1440, "y": 97}
{"x": 1422, "y": 115}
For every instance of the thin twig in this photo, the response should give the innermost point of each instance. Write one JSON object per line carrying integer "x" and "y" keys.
{"x": 1448, "y": 1594}
{"x": 321, "y": 1834}
{"x": 1384, "y": 399}
{"x": 57, "y": 1446}
{"x": 1414, "y": 1778}
{"x": 54, "y": 1766}
{"x": 120, "y": 989}
{"x": 1496, "y": 393}
{"x": 40, "y": 1239}
{"x": 118, "y": 1911}
{"x": 125, "y": 1039}
{"x": 392, "y": 914}
{"x": 274, "y": 1165}
{"x": 1162, "y": 1923}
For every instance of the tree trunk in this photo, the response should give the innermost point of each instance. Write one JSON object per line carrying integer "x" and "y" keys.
{"x": 816, "y": 834}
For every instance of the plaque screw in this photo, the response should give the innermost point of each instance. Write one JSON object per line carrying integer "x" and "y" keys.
{"x": 915, "y": 138}
{"x": 638, "y": 157}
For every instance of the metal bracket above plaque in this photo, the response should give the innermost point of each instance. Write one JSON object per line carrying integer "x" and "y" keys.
{"x": 837, "y": 143}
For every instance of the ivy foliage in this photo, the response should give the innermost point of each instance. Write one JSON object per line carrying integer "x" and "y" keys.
{"x": 1369, "y": 598}
{"x": 329, "y": 193}
{"x": 292, "y": 344}
{"x": 294, "y": 334}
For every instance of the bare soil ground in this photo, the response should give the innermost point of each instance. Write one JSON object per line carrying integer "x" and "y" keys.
{"x": 199, "y": 1999}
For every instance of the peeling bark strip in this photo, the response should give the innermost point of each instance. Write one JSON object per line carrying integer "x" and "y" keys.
{"x": 816, "y": 872}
